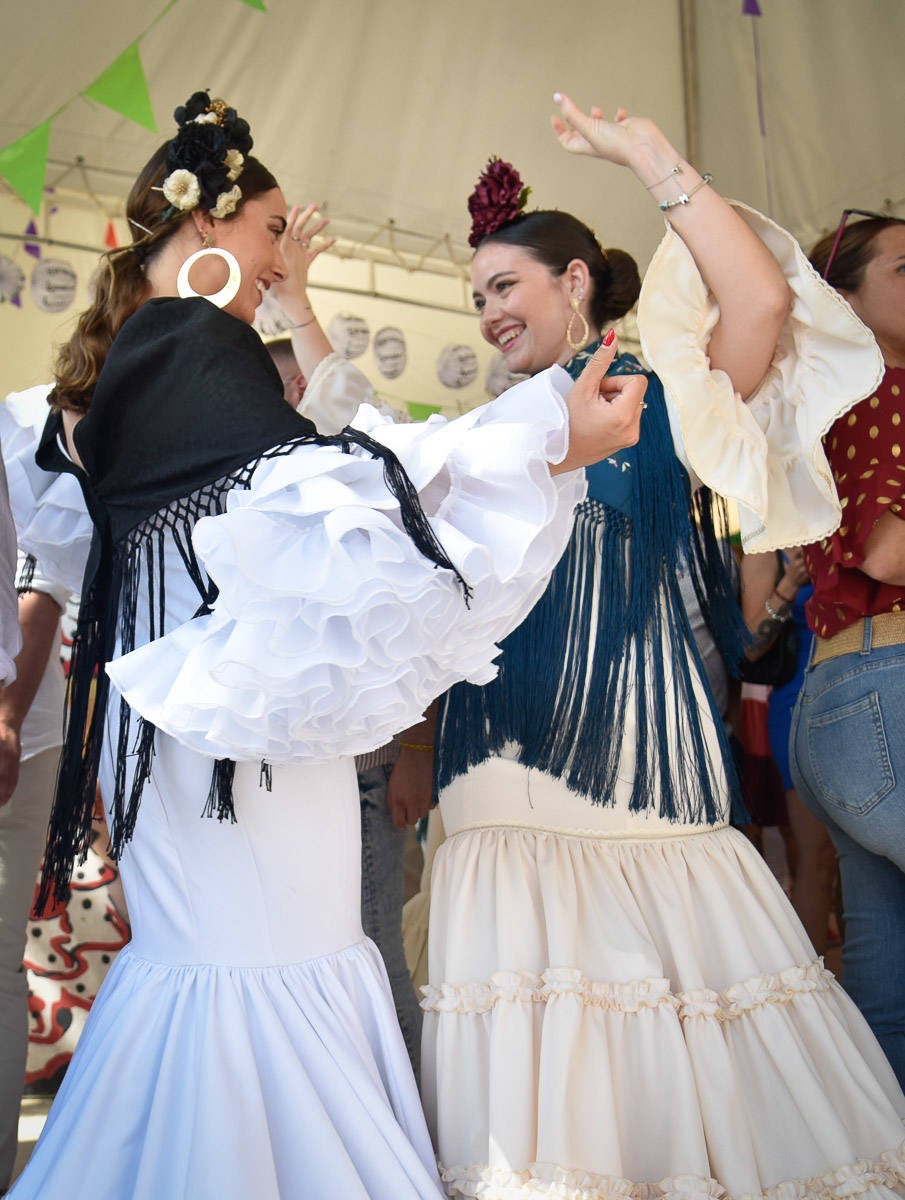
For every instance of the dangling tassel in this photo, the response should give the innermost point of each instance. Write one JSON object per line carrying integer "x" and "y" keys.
{"x": 126, "y": 814}
{"x": 70, "y": 828}
{"x": 713, "y": 575}
{"x": 401, "y": 487}
{"x": 220, "y": 797}
{"x": 265, "y": 779}
{"x": 26, "y": 577}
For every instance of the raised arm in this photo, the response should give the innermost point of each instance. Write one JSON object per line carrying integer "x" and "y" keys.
{"x": 309, "y": 342}
{"x": 739, "y": 270}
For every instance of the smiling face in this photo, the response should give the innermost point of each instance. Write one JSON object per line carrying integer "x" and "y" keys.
{"x": 253, "y": 236}
{"x": 524, "y": 307}
{"x": 879, "y": 300}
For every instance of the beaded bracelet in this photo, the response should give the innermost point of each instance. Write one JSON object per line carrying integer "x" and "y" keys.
{"x": 773, "y": 614}
{"x": 685, "y": 198}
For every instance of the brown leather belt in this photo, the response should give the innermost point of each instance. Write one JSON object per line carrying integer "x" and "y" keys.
{"x": 888, "y": 630}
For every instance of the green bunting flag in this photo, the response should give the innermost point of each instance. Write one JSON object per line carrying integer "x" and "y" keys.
{"x": 123, "y": 88}
{"x": 258, "y": 4}
{"x": 23, "y": 164}
{"x": 420, "y": 412}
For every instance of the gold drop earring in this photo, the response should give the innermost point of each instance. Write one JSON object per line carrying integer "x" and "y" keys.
{"x": 586, "y": 329}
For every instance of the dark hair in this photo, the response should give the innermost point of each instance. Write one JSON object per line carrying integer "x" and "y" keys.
{"x": 853, "y": 254}
{"x": 121, "y": 287}
{"x": 556, "y": 238}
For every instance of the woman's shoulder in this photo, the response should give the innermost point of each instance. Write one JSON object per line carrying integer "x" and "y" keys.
{"x": 174, "y": 316}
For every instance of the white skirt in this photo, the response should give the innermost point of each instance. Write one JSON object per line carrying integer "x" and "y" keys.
{"x": 622, "y": 1007}
{"x": 245, "y": 1044}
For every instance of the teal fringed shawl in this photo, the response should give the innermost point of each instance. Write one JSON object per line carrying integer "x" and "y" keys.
{"x": 611, "y": 630}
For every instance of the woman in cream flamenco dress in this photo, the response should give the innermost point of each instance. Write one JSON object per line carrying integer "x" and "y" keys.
{"x": 622, "y": 1003}
{"x": 258, "y": 596}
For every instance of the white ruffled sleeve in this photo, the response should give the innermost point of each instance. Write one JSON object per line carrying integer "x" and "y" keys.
{"x": 331, "y": 632}
{"x": 52, "y": 522}
{"x": 766, "y": 454}
{"x": 335, "y": 392}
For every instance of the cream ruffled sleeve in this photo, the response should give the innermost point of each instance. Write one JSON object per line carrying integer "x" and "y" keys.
{"x": 766, "y": 454}
{"x": 331, "y": 632}
{"x": 335, "y": 392}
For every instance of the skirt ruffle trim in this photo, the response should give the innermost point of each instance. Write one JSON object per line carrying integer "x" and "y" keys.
{"x": 866, "y": 1177}
{"x": 556, "y": 983}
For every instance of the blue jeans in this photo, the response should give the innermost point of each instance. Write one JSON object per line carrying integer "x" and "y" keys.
{"x": 847, "y": 753}
{"x": 382, "y": 884}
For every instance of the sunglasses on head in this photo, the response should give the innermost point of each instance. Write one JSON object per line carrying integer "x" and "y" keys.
{"x": 846, "y": 213}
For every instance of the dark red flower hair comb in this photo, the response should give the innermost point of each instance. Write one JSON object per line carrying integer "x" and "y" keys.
{"x": 499, "y": 196}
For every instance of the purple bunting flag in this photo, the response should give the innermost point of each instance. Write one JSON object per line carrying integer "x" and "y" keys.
{"x": 32, "y": 248}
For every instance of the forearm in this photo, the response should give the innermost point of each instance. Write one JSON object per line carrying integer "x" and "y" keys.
{"x": 411, "y": 787}
{"x": 766, "y": 604}
{"x": 422, "y": 735}
{"x": 738, "y": 269}
{"x": 39, "y": 618}
{"x": 309, "y": 342}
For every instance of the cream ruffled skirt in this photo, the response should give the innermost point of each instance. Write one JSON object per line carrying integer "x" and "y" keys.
{"x": 620, "y": 1007}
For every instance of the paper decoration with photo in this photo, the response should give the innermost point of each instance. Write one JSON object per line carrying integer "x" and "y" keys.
{"x": 12, "y": 280}
{"x": 457, "y": 366}
{"x": 499, "y": 377}
{"x": 390, "y": 351}
{"x": 349, "y": 335}
{"x": 53, "y": 284}
{"x": 270, "y": 320}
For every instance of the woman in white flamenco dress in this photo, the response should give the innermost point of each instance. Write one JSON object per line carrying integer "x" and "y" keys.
{"x": 272, "y": 616}
{"x": 622, "y": 1002}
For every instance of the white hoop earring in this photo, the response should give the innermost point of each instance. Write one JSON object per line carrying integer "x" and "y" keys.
{"x": 227, "y": 293}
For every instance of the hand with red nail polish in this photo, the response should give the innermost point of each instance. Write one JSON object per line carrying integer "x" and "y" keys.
{"x": 604, "y": 410}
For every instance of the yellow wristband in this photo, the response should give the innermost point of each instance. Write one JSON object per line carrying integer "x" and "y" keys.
{"x": 416, "y": 746}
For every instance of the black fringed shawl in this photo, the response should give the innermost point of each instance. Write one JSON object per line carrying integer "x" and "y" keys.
{"x": 594, "y": 642}
{"x": 187, "y": 405}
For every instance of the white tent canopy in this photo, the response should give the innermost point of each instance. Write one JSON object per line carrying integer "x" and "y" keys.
{"x": 387, "y": 109}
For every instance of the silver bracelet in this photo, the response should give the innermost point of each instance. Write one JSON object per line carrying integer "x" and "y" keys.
{"x": 774, "y": 615}
{"x": 677, "y": 170}
{"x": 666, "y": 205}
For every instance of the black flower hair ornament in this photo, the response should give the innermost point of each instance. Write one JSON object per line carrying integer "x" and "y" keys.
{"x": 205, "y": 157}
{"x": 499, "y": 197}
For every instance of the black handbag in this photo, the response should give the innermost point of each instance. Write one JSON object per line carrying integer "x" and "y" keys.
{"x": 779, "y": 664}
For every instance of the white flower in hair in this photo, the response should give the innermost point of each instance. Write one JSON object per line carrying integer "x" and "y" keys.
{"x": 235, "y": 161}
{"x": 206, "y": 118}
{"x": 182, "y": 190}
{"x": 227, "y": 202}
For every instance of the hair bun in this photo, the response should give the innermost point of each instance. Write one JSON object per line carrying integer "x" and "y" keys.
{"x": 623, "y": 283}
